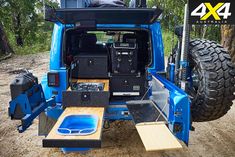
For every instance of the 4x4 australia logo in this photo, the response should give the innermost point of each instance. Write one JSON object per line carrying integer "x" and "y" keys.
{"x": 211, "y": 12}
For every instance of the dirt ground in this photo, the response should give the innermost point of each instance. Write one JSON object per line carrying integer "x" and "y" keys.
{"x": 215, "y": 138}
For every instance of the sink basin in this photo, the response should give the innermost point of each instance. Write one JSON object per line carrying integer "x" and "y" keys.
{"x": 78, "y": 125}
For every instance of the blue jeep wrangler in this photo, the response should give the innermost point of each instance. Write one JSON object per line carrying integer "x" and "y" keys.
{"x": 108, "y": 64}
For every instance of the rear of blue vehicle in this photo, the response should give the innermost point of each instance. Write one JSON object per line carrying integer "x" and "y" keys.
{"x": 128, "y": 53}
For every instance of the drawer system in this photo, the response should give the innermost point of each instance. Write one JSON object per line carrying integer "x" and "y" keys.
{"x": 81, "y": 123}
{"x": 72, "y": 141}
{"x": 87, "y": 92}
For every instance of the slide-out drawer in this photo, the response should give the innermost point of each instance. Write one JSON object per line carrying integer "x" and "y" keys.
{"x": 78, "y": 98}
{"x": 55, "y": 139}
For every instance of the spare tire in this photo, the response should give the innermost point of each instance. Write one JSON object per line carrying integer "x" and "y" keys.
{"x": 212, "y": 89}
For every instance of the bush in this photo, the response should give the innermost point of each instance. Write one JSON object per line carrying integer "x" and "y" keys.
{"x": 40, "y": 43}
{"x": 169, "y": 41}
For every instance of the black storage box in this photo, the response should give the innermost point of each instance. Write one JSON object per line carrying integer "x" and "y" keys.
{"x": 22, "y": 83}
{"x": 85, "y": 99}
{"x": 128, "y": 85}
{"x": 91, "y": 66}
{"x": 19, "y": 85}
{"x": 124, "y": 58}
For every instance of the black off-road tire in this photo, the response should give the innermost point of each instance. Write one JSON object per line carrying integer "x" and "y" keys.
{"x": 215, "y": 93}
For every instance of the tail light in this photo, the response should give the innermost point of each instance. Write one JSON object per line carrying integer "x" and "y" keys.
{"x": 53, "y": 79}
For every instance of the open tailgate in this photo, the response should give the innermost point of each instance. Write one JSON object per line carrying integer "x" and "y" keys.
{"x": 163, "y": 119}
{"x": 103, "y": 15}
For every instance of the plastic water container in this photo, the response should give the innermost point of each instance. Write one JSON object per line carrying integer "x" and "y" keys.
{"x": 78, "y": 125}
{"x": 73, "y": 3}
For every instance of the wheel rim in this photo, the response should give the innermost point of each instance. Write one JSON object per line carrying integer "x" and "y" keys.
{"x": 195, "y": 78}
{"x": 194, "y": 83}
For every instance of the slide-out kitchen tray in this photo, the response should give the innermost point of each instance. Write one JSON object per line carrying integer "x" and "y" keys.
{"x": 77, "y": 137}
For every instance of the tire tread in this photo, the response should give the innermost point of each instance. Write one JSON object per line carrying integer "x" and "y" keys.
{"x": 216, "y": 88}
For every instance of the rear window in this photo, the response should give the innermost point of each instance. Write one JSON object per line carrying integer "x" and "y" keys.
{"x": 109, "y": 36}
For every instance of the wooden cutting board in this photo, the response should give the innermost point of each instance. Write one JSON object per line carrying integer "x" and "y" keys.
{"x": 156, "y": 136}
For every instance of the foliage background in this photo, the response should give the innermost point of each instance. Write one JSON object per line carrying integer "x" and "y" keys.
{"x": 24, "y": 19}
{"x": 27, "y": 32}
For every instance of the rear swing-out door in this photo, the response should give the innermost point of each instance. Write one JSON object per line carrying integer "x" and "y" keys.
{"x": 164, "y": 118}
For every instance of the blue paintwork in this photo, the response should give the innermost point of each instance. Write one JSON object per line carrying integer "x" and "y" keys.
{"x": 179, "y": 109}
{"x": 172, "y": 72}
{"x": 54, "y": 112}
{"x": 63, "y": 77}
{"x": 79, "y": 150}
{"x": 56, "y": 47}
{"x": 27, "y": 103}
{"x": 56, "y": 91}
{"x": 158, "y": 61}
{"x": 56, "y": 64}
{"x": 45, "y": 88}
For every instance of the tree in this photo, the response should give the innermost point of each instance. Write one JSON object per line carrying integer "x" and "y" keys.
{"x": 5, "y": 47}
{"x": 20, "y": 18}
{"x": 173, "y": 12}
{"x": 228, "y": 39}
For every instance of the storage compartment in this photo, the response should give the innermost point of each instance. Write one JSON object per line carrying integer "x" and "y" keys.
{"x": 124, "y": 58}
{"x": 120, "y": 55}
{"x": 91, "y": 66}
{"x": 22, "y": 83}
{"x": 127, "y": 85}
{"x": 86, "y": 93}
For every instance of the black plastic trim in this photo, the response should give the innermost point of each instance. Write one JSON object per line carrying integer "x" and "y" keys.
{"x": 144, "y": 113}
{"x": 71, "y": 143}
{"x": 75, "y": 99}
{"x": 103, "y": 15}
